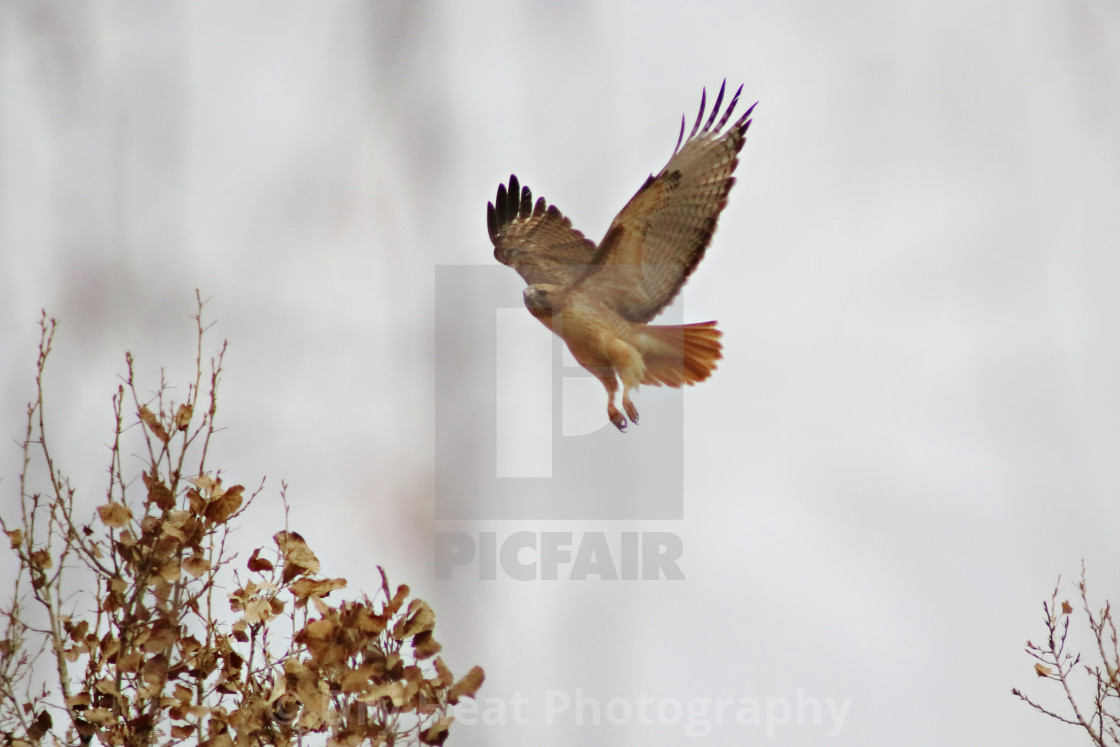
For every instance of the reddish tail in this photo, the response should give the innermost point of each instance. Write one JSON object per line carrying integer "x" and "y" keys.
{"x": 678, "y": 355}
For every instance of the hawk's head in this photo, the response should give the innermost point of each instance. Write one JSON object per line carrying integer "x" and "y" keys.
{"x": 542, "y": 299}
{"x": 541, "y": 296}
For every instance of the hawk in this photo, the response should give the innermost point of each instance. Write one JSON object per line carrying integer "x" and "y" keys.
{"x": 600, "y": 298}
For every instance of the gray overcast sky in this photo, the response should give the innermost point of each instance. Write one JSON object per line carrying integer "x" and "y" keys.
{"x": 915, "y": 425}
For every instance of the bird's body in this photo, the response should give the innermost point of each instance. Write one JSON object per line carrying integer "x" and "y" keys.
{"x": 600, "y": 298}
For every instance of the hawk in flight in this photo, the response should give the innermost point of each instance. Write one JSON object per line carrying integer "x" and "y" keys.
{"x": 599, "y": 299}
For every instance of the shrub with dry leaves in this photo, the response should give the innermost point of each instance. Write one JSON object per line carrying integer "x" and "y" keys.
{"x": 1099, "y": 713}
{"x": 135, "y": 626}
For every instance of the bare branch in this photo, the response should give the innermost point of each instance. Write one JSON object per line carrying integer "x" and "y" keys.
{"x": 1100, "y": 718}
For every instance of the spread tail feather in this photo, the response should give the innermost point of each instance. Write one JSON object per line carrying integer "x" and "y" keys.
{"x": 680, "y": 354}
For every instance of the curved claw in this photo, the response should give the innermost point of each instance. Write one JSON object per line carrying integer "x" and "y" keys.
{"x": 617, "y": 418}
{"x": 631, "y": 411}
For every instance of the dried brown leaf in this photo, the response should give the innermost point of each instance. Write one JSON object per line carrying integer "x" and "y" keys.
{"x": 106, "y": 686}
{"x": 1042, "y": 671}
{"x": 298, "y": 557}
{"x": 443, "y": 674}
{"x": 163, "y": 634}
{"x": 394, "y": 691}
{"x": 130, "y": 662}
{"x": 183, "y": 416}
{"x": 205, "y": 482}
{"x": 155, "y": 669}
{"x": 85, "y": 730}
{"x": 322, "y": 629}
{"x": 437, "y": 732}
{"x": 40, "y": 726}
{"x": 181, "y": 525}
{"x": 467, "y": 686}
{"x": 81, "y": 700}
{"x": 1066, "y": 608}
{"x": 158, "y": 492}
{"x": 149, "y": 419}
{"x": 313, "y": 693}
{"x": 357, "y": 680}
{"x": 15, "y": 536}
{"x": 196, "y": 502}
{"x": 294, "y": 667}
{"x": 258, "y": 564}
{"x": 218, "y": 740}
{"x": 257, "y": 610}
{"x": 321, "y": 587}
{"x": 80, "y": 631}
{"x": 170, "y": 571}
{"x": 41, "y": 559}
{"x": 420, "y": 619}
{"x": 196, "y": 565}
{"x": 183, "y": 694}
{"x": 220, "y": 509}
{"x": 114, "y": 515}
{"x": 397, "y": 600}
{"x": 425, "y": 646}
{"x": 181, "y": 732}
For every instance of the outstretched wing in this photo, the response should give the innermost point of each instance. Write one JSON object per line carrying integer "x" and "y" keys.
{"x": 656, "y": 241}
{"x": 536, "y": 240}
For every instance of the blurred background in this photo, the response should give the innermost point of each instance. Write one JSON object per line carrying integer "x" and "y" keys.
{"x": 914, "y": 429}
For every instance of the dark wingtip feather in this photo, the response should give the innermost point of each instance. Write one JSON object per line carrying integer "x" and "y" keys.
{"x": 492, "y": 222}
{"x": 747, "y": 113}
{"x": 700, "y": 115}
{"x": 730, "y": 108}
{"x": 526, "y": 207}
{"x": 500, "y": 205}
{"x": 715, "y": 107}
